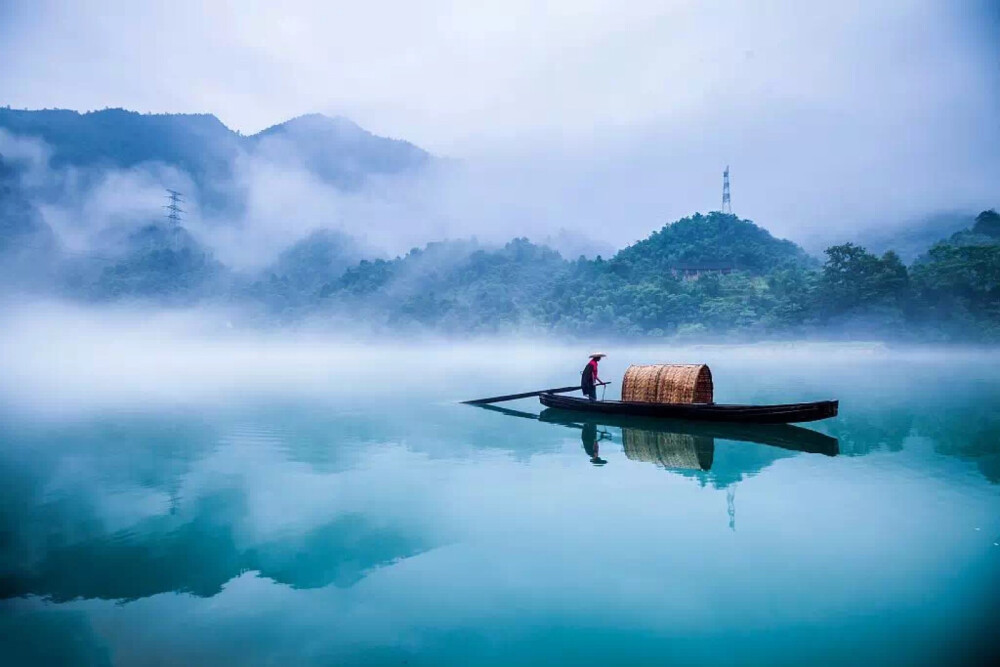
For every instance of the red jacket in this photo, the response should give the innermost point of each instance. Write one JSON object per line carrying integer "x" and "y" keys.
{"x": 593, "y": 371}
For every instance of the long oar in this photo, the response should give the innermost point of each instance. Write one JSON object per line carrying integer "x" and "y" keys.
{"x": 527, "y": 394}
{"x": 511, "y": 397}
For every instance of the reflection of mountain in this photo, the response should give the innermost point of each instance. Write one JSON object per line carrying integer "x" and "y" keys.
{"x": 974, "y": 437}
{"x": 965, "y": 425}
{"x": 69, "y": 489}
{"x": 690, "y": 447}
{"x": 198, "y": 557}
{"x": 865, "y": 432}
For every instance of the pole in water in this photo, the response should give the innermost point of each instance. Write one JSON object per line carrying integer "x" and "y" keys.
{"x": 527, "y": 394}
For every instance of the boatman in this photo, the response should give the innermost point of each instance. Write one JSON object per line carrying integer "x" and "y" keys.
{"x": 589, "y": 379}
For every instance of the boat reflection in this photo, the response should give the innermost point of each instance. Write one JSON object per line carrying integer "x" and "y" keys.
{"x": 686, "y": 445}
{"x": 678, "y": 444}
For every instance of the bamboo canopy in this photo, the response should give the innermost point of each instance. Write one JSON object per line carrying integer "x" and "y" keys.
{"x": 668, "y": 383}
{"x": 670, "y": 450}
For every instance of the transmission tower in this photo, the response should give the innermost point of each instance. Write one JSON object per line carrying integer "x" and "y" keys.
{"x": 727, "y": 206}
{"x": 173, "y": 209}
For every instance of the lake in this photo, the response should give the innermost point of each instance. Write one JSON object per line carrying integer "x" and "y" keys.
{"x": 253, "y": 501}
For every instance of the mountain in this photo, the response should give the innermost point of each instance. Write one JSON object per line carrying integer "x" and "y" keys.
{"x": 196, "y": 143}
{"x": 912, "y": 238}
{"x": 713, "y": 242}
{"x": 988, "y": 225}
{"x": 451, "y": 285}
{"x": 27, "y": 243}
{"x": 336, "y": 150}
{"x": 320, "y": 257}
{"x": 984, "y": 231}
{"x": 296, "y": 277}
{"x": 20, "y": 223}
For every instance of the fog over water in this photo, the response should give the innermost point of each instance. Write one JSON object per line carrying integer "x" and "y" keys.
{"x": 60, "y": 358}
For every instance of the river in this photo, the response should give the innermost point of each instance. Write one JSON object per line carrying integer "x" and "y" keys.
{"x": 262, "y": 503}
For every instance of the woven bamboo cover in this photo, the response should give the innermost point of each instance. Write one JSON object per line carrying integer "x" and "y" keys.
{"x": 666, "y": 383}
{"x": 670, "y": 450}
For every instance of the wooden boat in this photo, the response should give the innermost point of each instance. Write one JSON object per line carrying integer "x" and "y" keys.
{"x": 789, "y": 413}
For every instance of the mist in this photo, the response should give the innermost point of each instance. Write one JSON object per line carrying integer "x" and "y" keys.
{"x": 245, "y": 421}
{"x": 460, "y": 131}
{"x": 274, "y": 200}
{"x": 62, "y": 360}
{"x": 603, "y": 120}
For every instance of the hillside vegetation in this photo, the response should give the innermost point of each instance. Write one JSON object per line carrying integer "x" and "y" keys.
{"x": 701, "y": 276}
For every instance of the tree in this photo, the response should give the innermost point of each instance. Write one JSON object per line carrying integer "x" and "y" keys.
{"x": 960, "y": 286}
{"x": 988, "y": 224}
{"x": 855, "y": 281}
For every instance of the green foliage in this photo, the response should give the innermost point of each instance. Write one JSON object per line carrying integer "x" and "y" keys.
{"x": 702, "y": 276}
{"x": 452, "y": 285}
{"x": 854, "y": 281}
{"x": 960, "y": 286}
{"x": 987, "y": 224}
{"x": 300, "y": 272}
{"x": 163, "y": 263}
{"x": 715, "y": 241}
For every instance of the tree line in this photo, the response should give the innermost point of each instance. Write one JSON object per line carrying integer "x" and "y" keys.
{"x": 700, "y": 276}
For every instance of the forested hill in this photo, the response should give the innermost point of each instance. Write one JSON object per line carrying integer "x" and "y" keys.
{"x": 713, "y": 242}
{"x": 701, "y": 276}
{"x": 704, "y": 276}
{"x": 335, "y": 149}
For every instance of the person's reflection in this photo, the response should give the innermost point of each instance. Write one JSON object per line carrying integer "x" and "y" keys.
{"x": 591, "y": 443}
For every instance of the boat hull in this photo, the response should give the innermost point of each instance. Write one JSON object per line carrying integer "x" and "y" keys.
{"x": 790, "y": 413}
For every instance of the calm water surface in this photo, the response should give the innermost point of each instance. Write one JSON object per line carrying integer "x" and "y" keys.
{"x": 394, "y": 526}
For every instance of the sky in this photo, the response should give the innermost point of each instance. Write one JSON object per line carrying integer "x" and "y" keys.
{"x": 607, "y": 118}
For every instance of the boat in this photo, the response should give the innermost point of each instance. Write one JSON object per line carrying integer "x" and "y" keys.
{"x": 788, "y": 413}
{"x": 674, "y": 391}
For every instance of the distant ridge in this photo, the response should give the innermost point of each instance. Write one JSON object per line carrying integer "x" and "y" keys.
{"x": 197, "y": 143}
{"x": 336, "y": 149}
{"x": 358, "y": 153}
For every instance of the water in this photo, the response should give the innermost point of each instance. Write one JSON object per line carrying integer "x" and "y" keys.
{"x": 361, "y": 515}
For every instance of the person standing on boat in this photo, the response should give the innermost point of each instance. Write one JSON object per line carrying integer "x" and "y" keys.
{"x": 589, "y": 378}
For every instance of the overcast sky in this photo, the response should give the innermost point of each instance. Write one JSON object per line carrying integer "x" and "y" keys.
{"x": 832, "y": 114}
